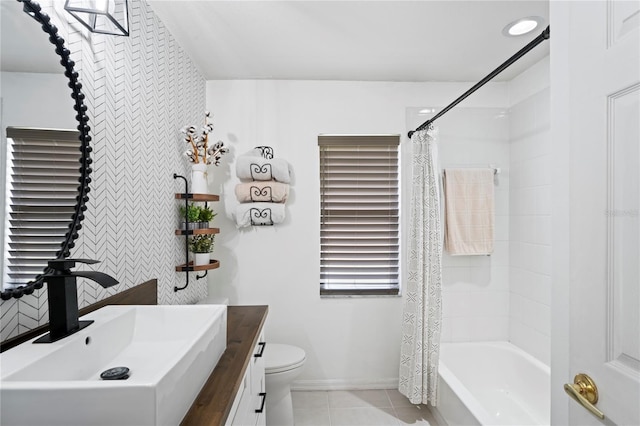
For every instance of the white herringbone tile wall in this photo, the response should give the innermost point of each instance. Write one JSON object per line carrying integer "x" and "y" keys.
{"x": 140, "y": 90}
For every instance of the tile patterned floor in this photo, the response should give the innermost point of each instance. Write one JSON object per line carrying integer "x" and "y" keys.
{"x": 357, "y": 408}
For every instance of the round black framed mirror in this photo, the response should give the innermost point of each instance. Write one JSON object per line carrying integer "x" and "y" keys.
{"x": 34, "y": 10}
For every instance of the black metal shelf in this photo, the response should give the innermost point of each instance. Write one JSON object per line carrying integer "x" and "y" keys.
{"x": 201, "y": 231}
{"x": 213, "y": 264}
{"x": 188, "y": 267}
{"x": 196, "y": 197}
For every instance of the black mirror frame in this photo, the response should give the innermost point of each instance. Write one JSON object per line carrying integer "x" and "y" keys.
{"x": 34, "y": 10}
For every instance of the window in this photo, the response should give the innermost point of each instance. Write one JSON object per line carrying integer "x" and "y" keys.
{"x": 40, "y": 196}
{"x": 359, "y": 214}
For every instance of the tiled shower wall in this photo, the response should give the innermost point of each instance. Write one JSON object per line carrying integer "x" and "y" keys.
{"x": 475, "y": 289}
{"x": 140, "y": 90}
{"x": 530, "y": 248}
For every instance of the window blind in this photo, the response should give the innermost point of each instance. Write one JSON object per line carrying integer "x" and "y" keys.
{"x": 40, "y": 196}
{"x": 359, "y": 214}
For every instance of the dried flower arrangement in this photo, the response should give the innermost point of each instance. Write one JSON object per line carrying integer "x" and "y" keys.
{"x": 200, "y": 151}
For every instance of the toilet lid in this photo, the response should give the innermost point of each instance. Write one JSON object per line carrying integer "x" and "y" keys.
{"x": 279, "y": 357}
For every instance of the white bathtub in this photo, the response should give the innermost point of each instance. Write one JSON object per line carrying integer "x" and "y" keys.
{"x": 491, "y": 383}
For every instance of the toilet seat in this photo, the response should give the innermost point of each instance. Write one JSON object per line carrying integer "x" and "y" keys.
{"x": 279, "y": 358}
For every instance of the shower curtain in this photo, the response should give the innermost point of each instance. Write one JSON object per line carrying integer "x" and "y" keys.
{"x": 422, "y": 310}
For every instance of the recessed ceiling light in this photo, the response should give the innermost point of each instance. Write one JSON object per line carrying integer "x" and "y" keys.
{"x": 427, "y": 111}
{"x": 522, "y": 26}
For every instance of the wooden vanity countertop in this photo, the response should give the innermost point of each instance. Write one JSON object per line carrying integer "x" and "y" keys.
{"x": 213, "y": 403}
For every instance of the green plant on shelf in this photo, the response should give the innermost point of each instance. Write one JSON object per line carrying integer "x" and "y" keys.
{"x": 201, "y": 243}
{"x": 206, "y": 214}
{"x": 191, "y": 213}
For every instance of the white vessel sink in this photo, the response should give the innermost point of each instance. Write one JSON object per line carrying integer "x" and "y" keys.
{"x": 169, "y": 350}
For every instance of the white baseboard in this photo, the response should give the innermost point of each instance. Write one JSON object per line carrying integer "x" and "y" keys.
{"x": 339, "y": 384}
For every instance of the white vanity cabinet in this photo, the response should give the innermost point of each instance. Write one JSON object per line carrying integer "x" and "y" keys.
{"x": 248, "y": 407}
{"x": 236, "y": 387}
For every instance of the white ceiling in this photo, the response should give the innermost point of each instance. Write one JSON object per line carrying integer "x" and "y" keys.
{"x": 351, "y": 40}
{"x": 319, "y": 40}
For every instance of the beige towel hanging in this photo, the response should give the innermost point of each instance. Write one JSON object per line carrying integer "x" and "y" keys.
{"x": 469, "y": 211}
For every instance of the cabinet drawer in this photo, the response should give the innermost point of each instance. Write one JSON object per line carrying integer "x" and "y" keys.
{"x": 249, "y": 405}
{"x": 243, "y": 401}
{"x": 262, "y": 419}
{"x": 257, "y": 409}
{"x": 257, "y": 366}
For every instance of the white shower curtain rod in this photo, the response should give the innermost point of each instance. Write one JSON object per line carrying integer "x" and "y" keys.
{"x": 536, "y": 41}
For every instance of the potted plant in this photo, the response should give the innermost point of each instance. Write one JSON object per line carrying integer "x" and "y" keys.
{"x": 201, "y": 246}
{"x": 206, "y": 215}
{"x": 191, "y": 213}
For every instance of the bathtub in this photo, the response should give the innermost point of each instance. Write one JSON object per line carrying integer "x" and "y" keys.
{"x": 491, "y": 383}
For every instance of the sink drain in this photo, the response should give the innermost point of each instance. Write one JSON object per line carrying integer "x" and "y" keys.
{"x": 116, "y": 373}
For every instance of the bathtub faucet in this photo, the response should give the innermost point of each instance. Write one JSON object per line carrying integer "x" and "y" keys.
{"x": 63, "y": 297}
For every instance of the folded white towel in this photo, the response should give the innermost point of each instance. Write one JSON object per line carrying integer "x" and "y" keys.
{"x": 268, "y": 191}
{"x": 258, "y": 214}
{"x": 251, "y": 167}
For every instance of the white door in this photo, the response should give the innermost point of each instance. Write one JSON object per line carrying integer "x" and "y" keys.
{"x": 597, "y": 48}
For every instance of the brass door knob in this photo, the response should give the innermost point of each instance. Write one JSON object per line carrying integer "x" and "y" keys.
{"x": 585, "y": 392}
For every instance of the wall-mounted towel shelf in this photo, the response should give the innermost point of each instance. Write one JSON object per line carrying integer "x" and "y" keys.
{"x": 260, "y": 194}
{"x": 265, "y": 151}
{"x": 263, "y": 189}
{"x": 261, "y": 217}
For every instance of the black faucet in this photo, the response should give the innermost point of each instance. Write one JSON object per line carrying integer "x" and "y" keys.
{"x": 63, "y": 297}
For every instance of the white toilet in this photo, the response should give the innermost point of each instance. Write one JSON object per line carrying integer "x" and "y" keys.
{"x": 283, "y": 363}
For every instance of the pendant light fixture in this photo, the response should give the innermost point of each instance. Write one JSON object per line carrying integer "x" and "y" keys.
{"x": 101, "y": 16}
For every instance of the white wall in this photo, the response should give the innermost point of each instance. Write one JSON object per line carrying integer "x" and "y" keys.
{"x": 530, "y": 211}
{"x": 349, "y": 341}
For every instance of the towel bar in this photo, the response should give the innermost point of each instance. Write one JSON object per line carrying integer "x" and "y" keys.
{"x": 496, "y": 170}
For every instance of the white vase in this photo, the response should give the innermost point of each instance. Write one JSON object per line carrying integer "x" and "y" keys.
{"x": 200, "y": 259}
{"x": 199, "y": 183}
